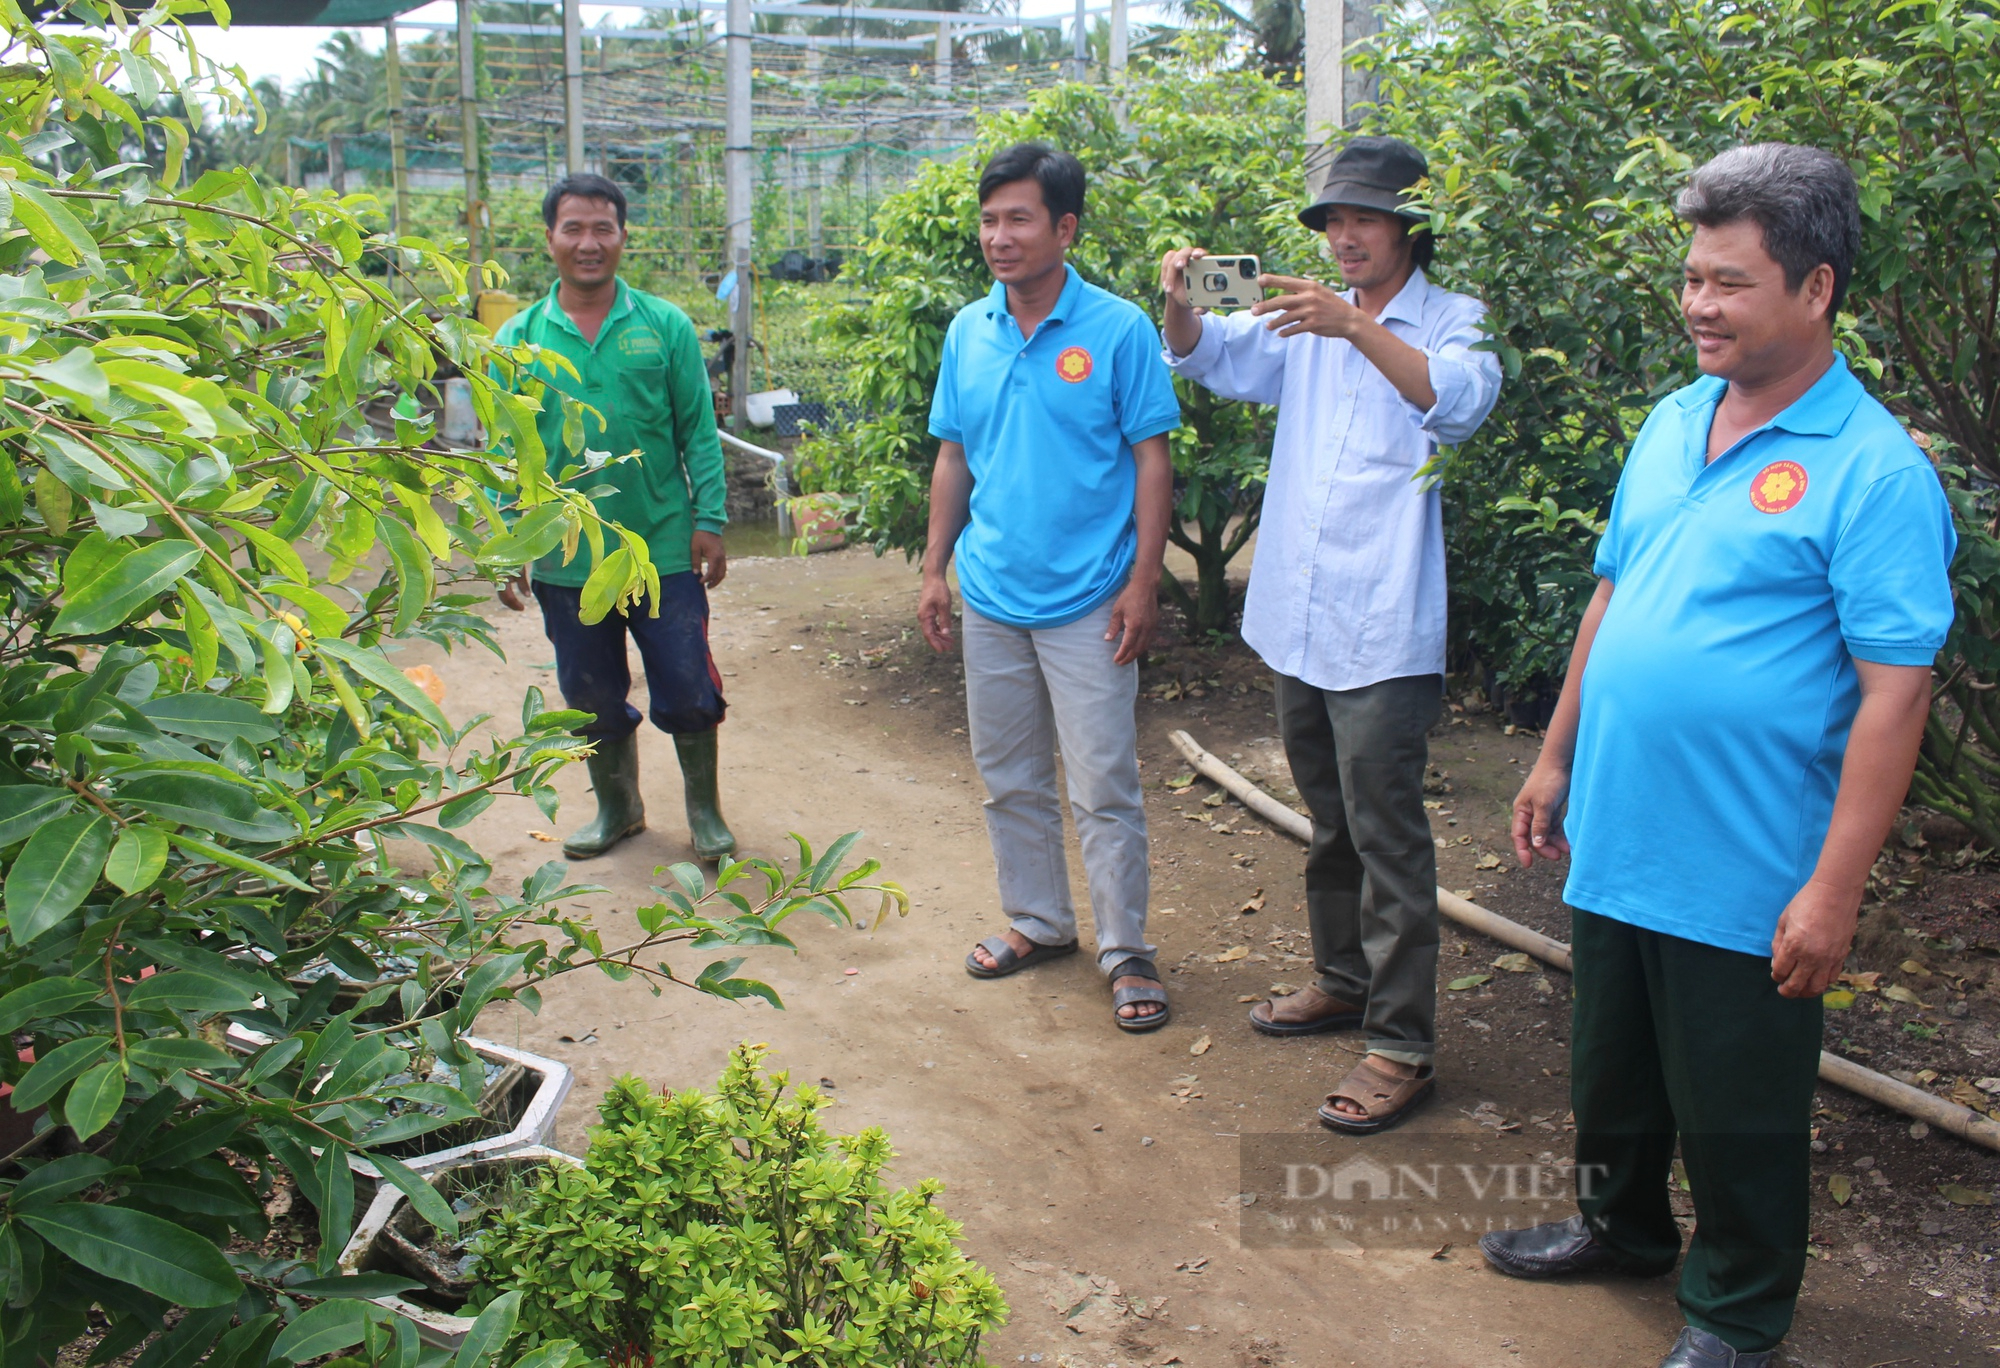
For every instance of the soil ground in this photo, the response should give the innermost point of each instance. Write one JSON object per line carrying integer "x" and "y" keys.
{"x": 1097, "y": 1173}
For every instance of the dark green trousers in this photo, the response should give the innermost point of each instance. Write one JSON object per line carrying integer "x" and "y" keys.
{"x": 1675, "y": 1040}
{"x": 1358, "y": 758}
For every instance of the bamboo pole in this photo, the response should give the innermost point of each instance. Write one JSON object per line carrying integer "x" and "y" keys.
{"x": 1963, "y": 1122}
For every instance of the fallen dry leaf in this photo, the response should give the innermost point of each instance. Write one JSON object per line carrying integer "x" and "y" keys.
{"x": 1213, "y": 800}
{"x": 427, "y": 679}
{"x": 1253, "y": 903}
{"x": 1459, "y": 985}
{"x": 1515, "y": 963}
{"x": 543, "y": 836}
{"x": 1034, "y": 1266}
{"x": 1838, "y": 999}
{"x": 1180, "y": 781}
{"x": 1200, "y": 1047}
{"x": 1251, "y": 997}
{"x": 1488, "y": 861}
{"x": 1865, "y": 983}
{"x": 1960, "y": 1195}
{"x": 1915, "y": 966}
{"x": 1232, "y": 954}
{"x": 1963, "y": 1093}
{"x": 1842, "y": 1188}
{"x": 1896, "y": 992}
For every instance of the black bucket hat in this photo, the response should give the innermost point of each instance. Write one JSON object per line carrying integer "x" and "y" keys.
{"x": 1374, "y": 173}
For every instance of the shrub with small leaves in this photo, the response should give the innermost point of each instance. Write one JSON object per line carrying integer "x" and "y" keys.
{"x": 730, "y": 1228}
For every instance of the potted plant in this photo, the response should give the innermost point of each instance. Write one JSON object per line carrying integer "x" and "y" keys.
{"x": 396, "y": 1238}
{"x": 819, "y": 521}
{"x": 516, "y": 1109}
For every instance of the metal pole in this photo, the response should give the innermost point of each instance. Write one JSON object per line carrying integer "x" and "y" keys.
{"x": 1121, "y": 23}
{"x": 336, "y": 163}
{"x": 941, "y": 63}
{"x": 573, "y": 85}
{"x": 737, "y": 191}
{"x": 815, "y": 235}
{"x": 468, "y": 127}
{"x": 815, "y": 243}
{"x": 1082, "y": 47}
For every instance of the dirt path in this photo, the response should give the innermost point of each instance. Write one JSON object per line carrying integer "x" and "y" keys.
{"x": 1094, "y": 1171}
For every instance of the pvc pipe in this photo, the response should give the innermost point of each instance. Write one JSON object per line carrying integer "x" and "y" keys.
{"x": 777, "y": 459}
{"x": 1963, "y": 1122}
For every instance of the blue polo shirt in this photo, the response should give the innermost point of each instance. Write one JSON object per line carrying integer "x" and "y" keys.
{"x": 1048, "y": 426}
{"x": 1721, "y": 685}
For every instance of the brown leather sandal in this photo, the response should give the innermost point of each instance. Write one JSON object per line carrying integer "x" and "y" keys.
{"x": 1384, "y": 1098}
{"x": 1306, "y": 1012}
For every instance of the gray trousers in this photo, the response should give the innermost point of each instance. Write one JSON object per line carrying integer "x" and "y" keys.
{"x": 1358, "y": 756}
{"x": 1028, "y": 691}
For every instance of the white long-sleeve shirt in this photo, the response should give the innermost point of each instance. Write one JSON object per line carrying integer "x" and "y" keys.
{"x": 1347, "y": 586}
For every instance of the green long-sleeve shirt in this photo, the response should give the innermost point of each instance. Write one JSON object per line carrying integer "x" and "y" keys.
{"x": 644, "y": 375}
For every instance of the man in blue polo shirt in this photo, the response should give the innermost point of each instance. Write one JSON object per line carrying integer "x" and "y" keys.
{"x": 1737, "y": 732}
{"x": 1053, "y": 485}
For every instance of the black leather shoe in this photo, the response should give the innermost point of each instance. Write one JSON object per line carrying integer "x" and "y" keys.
{"x": 1558, "y": 1249}
{"x": 1699, "y": 1349}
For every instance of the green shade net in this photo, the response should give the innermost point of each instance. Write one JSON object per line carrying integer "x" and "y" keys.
{"x": 316, "y": 13}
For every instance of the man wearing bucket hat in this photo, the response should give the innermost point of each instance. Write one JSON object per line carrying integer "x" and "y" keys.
{"x": 1347, "y": 592}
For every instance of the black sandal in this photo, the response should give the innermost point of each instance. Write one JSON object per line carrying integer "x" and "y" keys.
{"x": 1140, "y": 968}
{"x": 1007, "y": 961}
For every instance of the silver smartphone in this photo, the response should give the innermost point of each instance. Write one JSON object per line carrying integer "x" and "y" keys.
{"x": 1223, "y": 282}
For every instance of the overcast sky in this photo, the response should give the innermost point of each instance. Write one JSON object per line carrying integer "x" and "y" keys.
{"x": 287, "y": 53}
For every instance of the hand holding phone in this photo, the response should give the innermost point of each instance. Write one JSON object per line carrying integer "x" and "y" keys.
{"x": 1223, "y": 282}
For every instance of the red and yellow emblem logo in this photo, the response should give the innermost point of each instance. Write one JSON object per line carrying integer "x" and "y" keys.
{"x": 1778, "y": 487}
{"x": 1073, "y": 365}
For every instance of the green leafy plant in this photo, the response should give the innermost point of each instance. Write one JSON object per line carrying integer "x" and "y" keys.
{"x": 1201, "y": 157}
{"x": 220, "y": 514}
{"x": 729, "y": 1228}
{"x": 1558, "y": 134}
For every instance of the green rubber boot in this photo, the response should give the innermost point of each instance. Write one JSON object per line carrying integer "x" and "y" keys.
{"x": 712, "y": 840}
{"x": 621, "y": 812}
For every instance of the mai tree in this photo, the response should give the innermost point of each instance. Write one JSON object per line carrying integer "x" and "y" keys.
{"x": 1559, "y": 133}
{"x": 1200, "y": 157}
{"x": 242, "y": 938}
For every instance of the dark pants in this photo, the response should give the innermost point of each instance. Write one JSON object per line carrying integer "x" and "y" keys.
{"x": 684, "y": 691}
{"x": 1358, "y": 757}
{"x": 1676, "y": 1039}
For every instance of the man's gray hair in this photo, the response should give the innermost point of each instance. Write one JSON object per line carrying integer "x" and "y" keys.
{"x": 1803, "y": 198}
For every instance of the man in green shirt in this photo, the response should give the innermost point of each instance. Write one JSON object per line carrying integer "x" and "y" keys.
{"x": 639, "y": 367}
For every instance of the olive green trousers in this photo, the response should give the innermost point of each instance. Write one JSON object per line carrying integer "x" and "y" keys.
{"x": 1676, "y": 1041}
